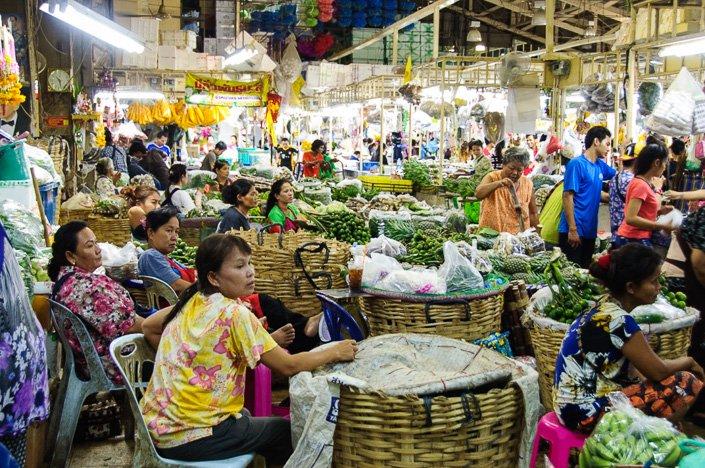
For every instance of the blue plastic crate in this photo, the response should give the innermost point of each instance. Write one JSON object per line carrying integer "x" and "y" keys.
{"x": 369, "y": 165}
{"x": 50, "y": 194}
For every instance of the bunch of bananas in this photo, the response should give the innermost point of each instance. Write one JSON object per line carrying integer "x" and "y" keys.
{"x": 185, "y": 116}
{"x": 139, "y": 113}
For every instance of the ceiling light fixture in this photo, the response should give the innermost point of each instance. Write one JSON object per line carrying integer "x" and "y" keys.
{"x": 684, "y": 48}
{"x": 241, "y": 55}
{"x": 92, "y": 23}
{"x": 474, "y": 34}
{"x": 539, "y": 17}
{"x": 480, "y": 47}
{"x": 591, "y": 30}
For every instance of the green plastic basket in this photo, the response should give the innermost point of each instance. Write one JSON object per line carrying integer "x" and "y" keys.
{"x": 13, "y": 164}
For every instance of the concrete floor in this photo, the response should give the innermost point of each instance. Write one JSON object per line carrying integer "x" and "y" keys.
{"x": 117, "y": 453}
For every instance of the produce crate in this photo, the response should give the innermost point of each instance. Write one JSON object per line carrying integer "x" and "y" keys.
{"x": 386, "y": 184}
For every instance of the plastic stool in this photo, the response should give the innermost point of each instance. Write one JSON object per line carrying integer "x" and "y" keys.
{"x": 560, "y": 439}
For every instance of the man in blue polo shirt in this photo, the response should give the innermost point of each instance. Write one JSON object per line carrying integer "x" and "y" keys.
{"x": 581, "y": 197}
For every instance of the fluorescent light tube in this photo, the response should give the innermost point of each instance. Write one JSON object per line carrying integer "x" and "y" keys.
{"x": 94, "y": 24}
{"x": 684, "y": 48}
{"x": 241, "y": 56}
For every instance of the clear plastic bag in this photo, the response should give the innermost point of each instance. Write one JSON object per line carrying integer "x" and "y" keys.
{"x": 386, "y": 246}
{"x": 457, "y": 271}
{"x": 626, "y": 436}
{"x": 376, "y": 268}
{"x": 533, "y": 243}
{"x": 24, "y": 229}
{"x": 508, "y": 244}
{"x": 425, "y": 281}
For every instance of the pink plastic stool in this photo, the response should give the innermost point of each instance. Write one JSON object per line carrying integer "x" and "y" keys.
{"x": 560, "y": 439}
{"x": 258, "y": 394}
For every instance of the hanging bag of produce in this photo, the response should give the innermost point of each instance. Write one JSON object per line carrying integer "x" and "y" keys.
{"x": 674, "y": 113}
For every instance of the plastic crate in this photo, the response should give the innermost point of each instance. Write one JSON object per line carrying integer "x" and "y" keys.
{"x": 369, "y": 165}
{"x": 387, "y": 184}
{"x": 50, "y": 195}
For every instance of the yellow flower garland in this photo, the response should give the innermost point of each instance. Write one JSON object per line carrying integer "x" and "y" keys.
{"x": 10, "y": 87}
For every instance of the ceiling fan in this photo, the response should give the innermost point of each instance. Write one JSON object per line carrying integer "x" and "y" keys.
{"x": 162, "y": 14}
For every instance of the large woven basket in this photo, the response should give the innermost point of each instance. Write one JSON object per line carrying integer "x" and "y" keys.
{"x": 194, "y": 230}
{"x": 463, "y": 320}
{"x": 281, "y": 273}
{"x": 669, "y": 340}
{"x": 110, "y": 230}
{"x": 66, "y": 215}
{"x": 380, "y": 430}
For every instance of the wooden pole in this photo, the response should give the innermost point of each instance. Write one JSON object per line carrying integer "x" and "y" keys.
{"x": 42, "y": 215}
{"x": 381, "y": 136}
{"x": 441, "y": 143}
{"x": 395, "y": 47}
{"x": 550, "y": 23}
{"x": 436, "y": 31}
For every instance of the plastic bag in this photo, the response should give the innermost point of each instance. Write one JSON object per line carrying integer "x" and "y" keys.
{"x": 24, "y": 229}
{"x": 674, "y": 218}
{"x": 377, "y": 267}
{"x": 115, "y": 256}
{"x": 80, "y": 201}
{"x": 344, "y": 183}
{"x": 457, "y": 271}
{"x": 694, "y": 451}
{"x": 674, "y": 113}
{"x": 44, "y": 171}
{"x": 660, "y": 307}
{"x": 413, "y": 282}
{"x": 508, "y": 244}
{"x": 386, "y": 246}
{"x": 626, "y": 436}
{"x": 532, "y": 242}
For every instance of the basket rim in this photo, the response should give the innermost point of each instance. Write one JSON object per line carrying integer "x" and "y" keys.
{"x": 477, "y": 294}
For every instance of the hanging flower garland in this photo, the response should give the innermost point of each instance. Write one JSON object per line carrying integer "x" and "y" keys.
{"x": 10, "y": 86}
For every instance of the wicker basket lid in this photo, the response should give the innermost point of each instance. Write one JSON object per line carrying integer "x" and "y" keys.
{"x": 416, "y": 364}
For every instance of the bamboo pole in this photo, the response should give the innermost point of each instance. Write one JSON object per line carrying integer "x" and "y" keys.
{"x": 441, "y": 143}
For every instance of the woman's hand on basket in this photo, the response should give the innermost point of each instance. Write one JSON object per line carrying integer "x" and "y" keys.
{"x": 345, "y": 350}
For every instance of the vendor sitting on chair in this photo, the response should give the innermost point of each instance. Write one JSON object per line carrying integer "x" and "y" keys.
{"x": 501, "y": 191}
{"x": 604, "y": 346}
{"x": 162, "y": 234}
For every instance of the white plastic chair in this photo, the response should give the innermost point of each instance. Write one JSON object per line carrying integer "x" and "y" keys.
{"x": 130, "y": 353}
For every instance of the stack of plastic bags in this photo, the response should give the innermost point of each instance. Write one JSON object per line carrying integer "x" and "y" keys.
{"x": 681, "y": 111}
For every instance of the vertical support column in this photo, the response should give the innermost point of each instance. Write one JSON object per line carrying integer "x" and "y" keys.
{"x": 442, "y": 139}
{"x": 35, "y": 104}
{"x": 436, "y": 31}
{"x": 631, "y": 90}
{"x": 550, "y": 14}
{"x": 237, "y": 19}
{"x": 382, "y": 149}
{"x": 617, "y": 87}
{"x": 395, "y": 48}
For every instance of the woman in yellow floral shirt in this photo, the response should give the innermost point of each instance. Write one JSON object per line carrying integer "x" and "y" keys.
{"x": 193, "y": 405}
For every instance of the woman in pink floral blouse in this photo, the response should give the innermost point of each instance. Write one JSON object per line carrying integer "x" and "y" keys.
{"x": 103, "y": 305}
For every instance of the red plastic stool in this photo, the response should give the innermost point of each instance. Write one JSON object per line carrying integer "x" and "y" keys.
{"x": 560, "y": 439}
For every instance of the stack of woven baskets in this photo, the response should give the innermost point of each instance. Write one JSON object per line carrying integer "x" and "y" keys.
{"x": 287, "y": 264}
{"x": 115, "y": 231}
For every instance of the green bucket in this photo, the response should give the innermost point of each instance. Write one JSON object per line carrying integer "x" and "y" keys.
{"x": 13, "y": 165}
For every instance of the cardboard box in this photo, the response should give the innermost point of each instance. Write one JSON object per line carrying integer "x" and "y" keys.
{"x": 215, "y": 62}
{"x": 221, "y": 45}
{"x": 171, "y": 24}
{"x": 166, "y": 56}
{"x": 210, "y": 45}
{"x": 180, "y": 39}
{"x": 225, "y": 31}
{"x": 199, "y": 61}
{"x": 145, "y": 60}
{"x": 146, "y": 28}
{"x": 183, "y": 59}
{"x": 224, "y": 6}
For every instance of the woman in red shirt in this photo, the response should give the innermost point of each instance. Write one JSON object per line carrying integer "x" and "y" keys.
{"x": 643, "y": 200}
{"x": 313, "y": 159}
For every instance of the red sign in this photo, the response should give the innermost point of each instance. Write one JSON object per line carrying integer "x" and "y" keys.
{"x": 57, "y": 121}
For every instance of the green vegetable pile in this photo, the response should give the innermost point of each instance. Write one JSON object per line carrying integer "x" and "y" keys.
{"x": 38, "y": 271}
{"x": 620, "y": 440}
{"x": 345, "y": 193}
{"x": 107, "y": 207}
{"x": 418, "y": 173}
{"x": 677, "y": 299}
{"x": 426, "y": 246}
{"x": 344, "y": 225}
{"x": 201, "y": 180}
{"x": 184, "y": 253}
{"x": 568, "y": 302}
